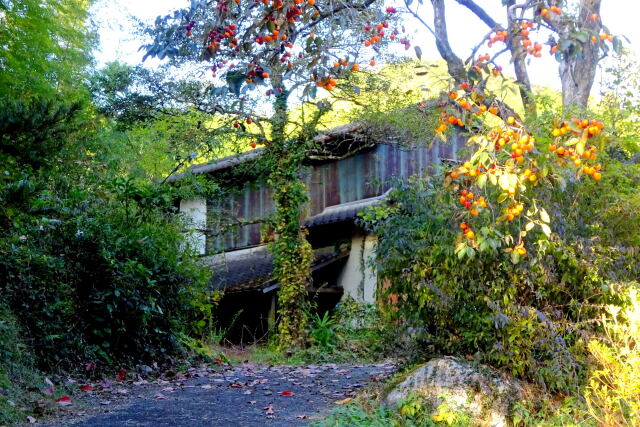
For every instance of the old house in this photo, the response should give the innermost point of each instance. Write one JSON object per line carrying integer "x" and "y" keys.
{"x": 349, "y": 171}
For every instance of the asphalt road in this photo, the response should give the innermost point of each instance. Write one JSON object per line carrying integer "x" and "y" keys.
{"x": 244, "y": 395}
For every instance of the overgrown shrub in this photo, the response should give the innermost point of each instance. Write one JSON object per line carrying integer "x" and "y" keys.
{"x": 102, "y": 279}
{"x": 533, "y": 318}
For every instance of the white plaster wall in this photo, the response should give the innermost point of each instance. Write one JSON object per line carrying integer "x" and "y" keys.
{"x": 196, "y": 212}
{"x": 351, "y": 277}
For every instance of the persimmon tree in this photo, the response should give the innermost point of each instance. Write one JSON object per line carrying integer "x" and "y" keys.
{"x": 266, "y": 57}
{"x": 513, "y": 161}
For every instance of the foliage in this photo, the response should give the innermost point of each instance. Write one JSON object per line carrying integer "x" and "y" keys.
{"x": 17, "y": 372}
{"x": 110, "y": 281}
{"x": 45, "y": 48}
{"x": 96, "y": 259}
{"x": 323, "y": 331}
{"x": 613, "y": 390}
{"x": 292, "y": 254}
{"x": 410, "y": 412}
{"x": 550, "y": 412}
{"x": 516, "y": 316}
{"x": 353, "y": 332}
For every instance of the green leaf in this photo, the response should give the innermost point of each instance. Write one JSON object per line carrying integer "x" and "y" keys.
{"x": 617, "y": 45}
{"x": 504, "y": 181}
{"x": 470, "y": 252}
{"x": 271, "y": 26}
{"x": 582, "y": 36}
{"x": 544, "y": 216}
{"x": 474, "y": 76}
{"x": 546, "y": 229}
{"x": 529, "y": 226}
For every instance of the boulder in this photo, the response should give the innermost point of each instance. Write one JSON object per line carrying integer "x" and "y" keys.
{"x": 482, "y": 393}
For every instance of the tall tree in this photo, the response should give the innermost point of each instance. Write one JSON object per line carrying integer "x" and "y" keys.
{"x": 572, "y": 31}
{"x": 44, "y": 47}
{"x": 261, "y": 54}
{"x": 509, "y": 163}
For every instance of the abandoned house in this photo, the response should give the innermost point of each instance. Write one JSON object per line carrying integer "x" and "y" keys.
{"x": 349, "y": 171}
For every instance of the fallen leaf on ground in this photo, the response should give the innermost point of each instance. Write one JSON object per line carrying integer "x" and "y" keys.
{"x": 86, "y": 388}
{"x": 252, "y": 402}
{"x": 122, "y": 374}
{"x": 206, "y": 386}
{"x": 105, "y": 402}
{"x": 49, "y": 391}
{"x": 343, "y": 401}
{"x": 160, "y": 396}
{"x": 286, "y": 393}
{"x": 269, "y": 410}
{"x": 167, "y": 389}
{"x": 31, "y": 419}
{"x": 302, "y": 417}
{"x": 64, "y": 401}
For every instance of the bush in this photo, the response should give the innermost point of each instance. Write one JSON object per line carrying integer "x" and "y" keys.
{"x": 533, "y": 318}
{"x": 352, "y": 332}
{"x": 103, "y": 279}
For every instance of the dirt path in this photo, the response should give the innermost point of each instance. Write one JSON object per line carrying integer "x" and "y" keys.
{"x": 244, "y": 395}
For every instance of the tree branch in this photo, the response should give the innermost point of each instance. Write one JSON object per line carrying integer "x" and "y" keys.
{"x": 480, "y": 13}
{"x": 454, "y": 63}
{"x": 415, "y": 15}
{"x": 519, "y": 64}
{"x": 332, "y": 12}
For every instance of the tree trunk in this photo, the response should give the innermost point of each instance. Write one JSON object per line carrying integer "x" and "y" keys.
{"x": 292, "y": 253}
{"x": 578, "y": 73}
{"x": 520, "y": 66}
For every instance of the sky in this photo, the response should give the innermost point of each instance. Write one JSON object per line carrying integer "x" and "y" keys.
{"x": 118, "y": 43}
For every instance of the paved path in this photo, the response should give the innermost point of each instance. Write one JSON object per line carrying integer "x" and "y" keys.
{"x": 245, "y": 395}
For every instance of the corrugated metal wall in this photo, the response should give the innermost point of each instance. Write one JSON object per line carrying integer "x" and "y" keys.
{"x": 364, "y": 175}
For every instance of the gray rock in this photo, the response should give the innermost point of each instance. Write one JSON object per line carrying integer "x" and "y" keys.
{"x": 145, "y": 370}
{"x": 484, "y": 394}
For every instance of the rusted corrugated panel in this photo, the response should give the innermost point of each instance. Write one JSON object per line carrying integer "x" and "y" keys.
{"x": 369, "y": 175}
{"x": 392, "y": 163}
{"x": 316, "y": 190}
{"x": 331, "y": 188}
{"x": 364, "y": 175}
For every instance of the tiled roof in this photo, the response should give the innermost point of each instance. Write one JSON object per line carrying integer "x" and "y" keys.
{"x": 250, "y": 269}
{"x": 330, "y": 140}
{"x": 343, "y": 212}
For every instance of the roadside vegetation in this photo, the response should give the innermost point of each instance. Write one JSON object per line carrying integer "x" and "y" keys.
{"x": 524, "y": 257}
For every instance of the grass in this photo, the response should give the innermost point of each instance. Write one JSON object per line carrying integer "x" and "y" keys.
{"x": 19, "y": 380}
